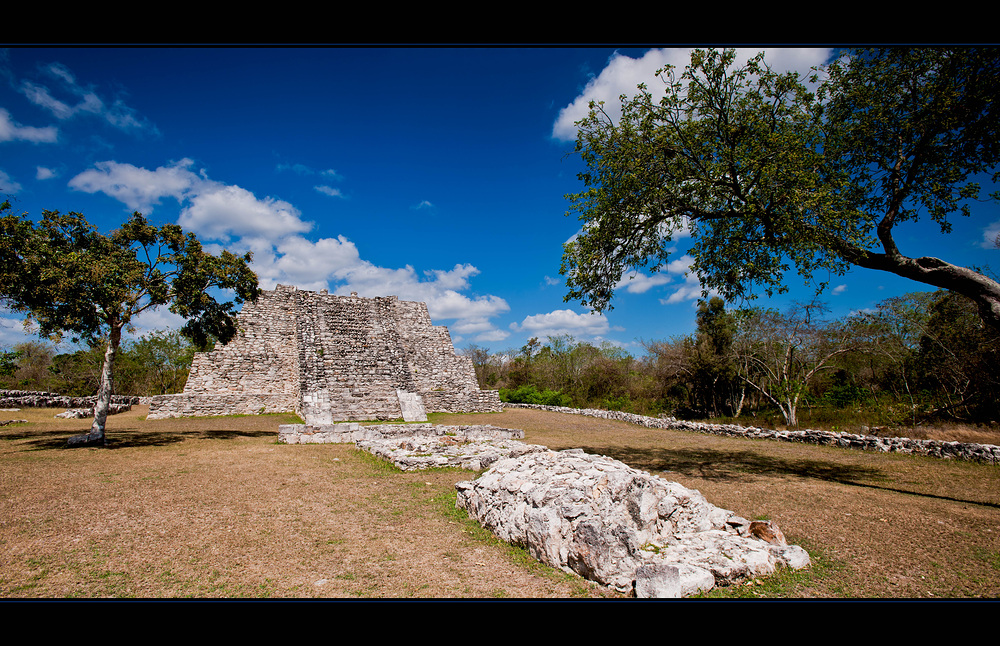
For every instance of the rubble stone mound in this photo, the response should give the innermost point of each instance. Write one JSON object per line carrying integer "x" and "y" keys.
{"x": 637, "y": 533}
{"x": 417, "y": 446}
{"x": 83, "y": 413}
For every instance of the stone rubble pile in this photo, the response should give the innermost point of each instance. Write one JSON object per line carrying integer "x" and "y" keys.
{"x": 417, "y": 446}
{"x": 586, "y": 514}
{"x": 39, "y": 399}
{"x": 82, "y": 413}
{"x": 986, "y": 453}
{"x": 608, "y": 522}
{"x": 473, "y": 451}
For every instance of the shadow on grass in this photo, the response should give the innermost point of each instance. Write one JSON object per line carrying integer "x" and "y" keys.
{"x": 723, "y": 466}
{"x": 57, "y": 439}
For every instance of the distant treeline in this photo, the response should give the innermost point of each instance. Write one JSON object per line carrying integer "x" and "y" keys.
{"x": 154, "y": 364}
{"x": 915, "y": 358}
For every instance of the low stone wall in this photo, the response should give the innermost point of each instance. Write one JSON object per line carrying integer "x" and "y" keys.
{"x": 183, "y": 405}
{"x": 40, "y": 399}
{"x": 599, "y": 518}
{"x": 986, "y": 453}
{"x": 476, "y": 401}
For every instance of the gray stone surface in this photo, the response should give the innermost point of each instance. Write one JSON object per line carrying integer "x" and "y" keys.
{"x": 412, "y": 406}
{"x": 331, "y": 358}
{"x": 601, "y": 519}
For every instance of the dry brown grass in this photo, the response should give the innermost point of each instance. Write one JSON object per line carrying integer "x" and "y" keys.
{"x": 213, "y": 507}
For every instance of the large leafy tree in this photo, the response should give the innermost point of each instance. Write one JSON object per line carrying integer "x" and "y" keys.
{"x": 767, "y": 175}
{"x": 71, "y": 279}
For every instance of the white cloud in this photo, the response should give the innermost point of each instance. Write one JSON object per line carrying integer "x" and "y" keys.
{"x": 622, "y": 74}
{"x": 44, "y": 173}
{"x": 219, "y": 211}
{"x": 82, "y": 100}
{"x": 138, "y": 188}
{"x": 492, "y": 336}
{"x": 329, "y": 190}
{"x": 561, "y": 322}
{"x": 273, "y": 230}
{"x": 691, "y": 290}
{"x": 213, "y": 209}
{"x": 639, "y": 283}
{"x": 10, "y": 130}
{"x": 839, "y": 289}
{"x": 424, "y": 204}
{"x": 991, "y": 236}
{"x": 8, "y": 185}
{"x": 13, "y": 330}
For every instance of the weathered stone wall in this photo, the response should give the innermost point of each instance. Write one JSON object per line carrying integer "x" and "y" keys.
{"x": 41, "y": 399}
{"x": 262, "y": 358}
{"x": 181, "y": 405}
{"x": 335, "y": 358}
{"x": 987, "y": 453}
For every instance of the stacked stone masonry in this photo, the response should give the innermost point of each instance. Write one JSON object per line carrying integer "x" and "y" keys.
{"x": 330, "y": 358}
{"x": 969, "y": 451}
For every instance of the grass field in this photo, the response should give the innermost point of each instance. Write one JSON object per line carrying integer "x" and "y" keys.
{"x": 214, "y": 507}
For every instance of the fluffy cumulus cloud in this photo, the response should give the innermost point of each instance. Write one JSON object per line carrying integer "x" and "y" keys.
{"x": 561, "y": 322}
{"x": 640, "y": 283}
{"x": 622, "y": 74}
{"x": 138, "y": 188}
{"x": 219, "y": 211}
{"x": 11, "y": 130}
{"x": 691, "y": 289}
{"x": 232, "y": 217}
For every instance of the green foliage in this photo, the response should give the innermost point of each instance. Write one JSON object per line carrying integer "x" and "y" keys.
{"x": 8, "y": 362}
{"x": 529, "y": 394}
{"x": 710, "y": 353}
{"x": 70, "y": 278}
{"x": 767, "y": 175}
{"x": 959, "y": 360}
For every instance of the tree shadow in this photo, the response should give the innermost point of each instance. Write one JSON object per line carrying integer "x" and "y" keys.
{"x": 730, "y": 466}
{"x": 58, "y": 439}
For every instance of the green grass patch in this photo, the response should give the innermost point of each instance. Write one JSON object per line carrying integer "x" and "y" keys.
{"x": 786, "y": 583}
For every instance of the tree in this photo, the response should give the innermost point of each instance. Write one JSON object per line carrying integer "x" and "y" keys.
{"x": 70, "y": 278}
{"x": 959, "y": 360}
{"x": 710, "y": 354}
{"x": 782, "y": 353}
{"x": 766, "y": 174}
{"x": 162, "y": 361}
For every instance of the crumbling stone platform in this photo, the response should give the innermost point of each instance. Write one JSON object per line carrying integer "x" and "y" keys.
{"x": 637, "y": 533}
{"x": 586, "y": 514}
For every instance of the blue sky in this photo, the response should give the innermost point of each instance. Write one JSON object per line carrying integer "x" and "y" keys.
{"x": 435, "y": 174}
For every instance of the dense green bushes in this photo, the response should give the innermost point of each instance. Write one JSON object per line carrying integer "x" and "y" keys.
{"x": 912, "y": 359}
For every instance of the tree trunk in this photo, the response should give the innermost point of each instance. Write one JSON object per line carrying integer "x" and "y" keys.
{"x": 103, "y": 402}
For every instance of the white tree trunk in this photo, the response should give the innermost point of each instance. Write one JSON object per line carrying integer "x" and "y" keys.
{"x": 103, "y": 402}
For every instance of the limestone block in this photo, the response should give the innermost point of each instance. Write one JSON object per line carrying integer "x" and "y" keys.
{"x": 621, "y": 527}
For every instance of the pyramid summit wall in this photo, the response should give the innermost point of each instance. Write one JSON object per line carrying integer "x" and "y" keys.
{"x": 330, "y": 358}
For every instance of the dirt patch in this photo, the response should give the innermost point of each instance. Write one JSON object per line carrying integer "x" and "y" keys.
{"x": 213, "y": 507}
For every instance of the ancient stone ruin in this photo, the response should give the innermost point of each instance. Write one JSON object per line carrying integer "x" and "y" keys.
{"x": 587, "y": 514}
{"x": 331, "y": 358}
